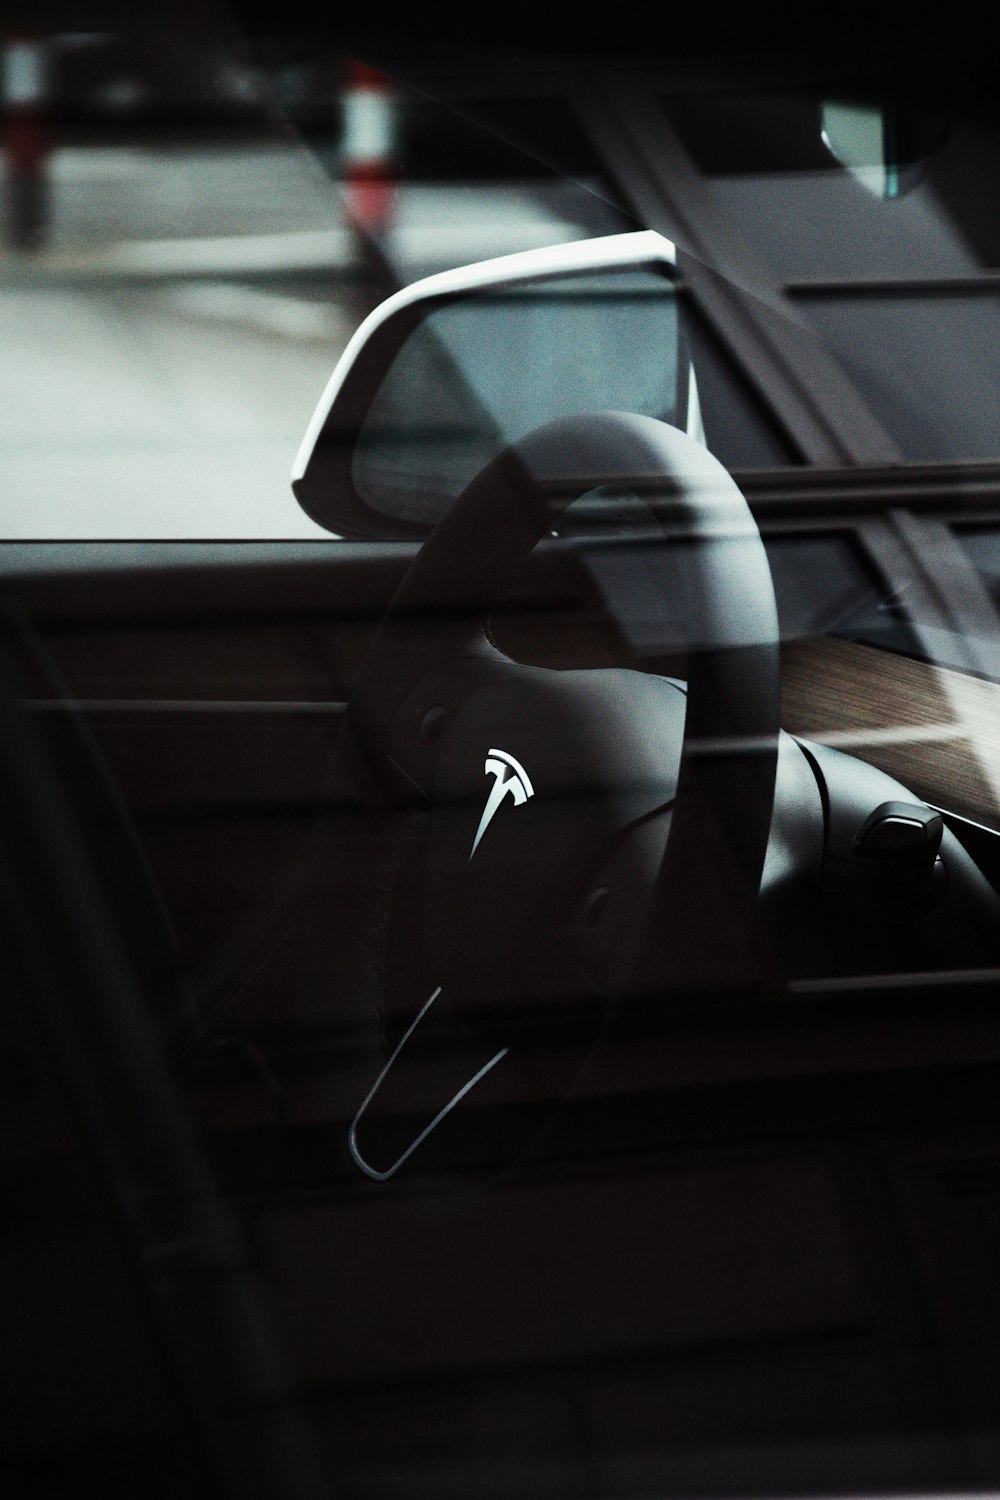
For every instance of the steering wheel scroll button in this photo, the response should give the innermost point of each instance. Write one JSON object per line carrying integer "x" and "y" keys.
{"x": 596, "y": 906}
{"x": 432, "y": 723}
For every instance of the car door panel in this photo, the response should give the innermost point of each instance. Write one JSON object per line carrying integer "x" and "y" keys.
{"x": 213, "y": 682}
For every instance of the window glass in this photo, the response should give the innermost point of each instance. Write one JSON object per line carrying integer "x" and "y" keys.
{"x": 948, "y": 345}
{"x": 981, "y": 545}
{"x": 824, "y": 586}
{"x": 203, "y": 226}
{"x": 810, "y": 203}
{"x": 865, "y": 208}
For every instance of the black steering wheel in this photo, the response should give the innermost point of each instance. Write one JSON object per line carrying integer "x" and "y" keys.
{"x": 587, "y": 835}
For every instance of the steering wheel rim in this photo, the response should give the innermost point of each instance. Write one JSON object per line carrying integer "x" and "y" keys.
{"x": 729, "y": 747}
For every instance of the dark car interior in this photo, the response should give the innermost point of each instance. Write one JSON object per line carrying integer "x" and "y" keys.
{"x": 722, "y": 1215}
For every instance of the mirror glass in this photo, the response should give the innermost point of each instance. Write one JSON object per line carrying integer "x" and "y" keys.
{"x": 480, "y": 372}
{"x": 886, "y": 149}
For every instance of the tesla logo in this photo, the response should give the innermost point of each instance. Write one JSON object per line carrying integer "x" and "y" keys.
{"x": 511, "y": 781}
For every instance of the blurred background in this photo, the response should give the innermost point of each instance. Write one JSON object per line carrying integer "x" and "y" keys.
{"x": 193, "y": 223}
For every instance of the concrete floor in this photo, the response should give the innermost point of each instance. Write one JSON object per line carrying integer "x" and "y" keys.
{"x": 166, "y": 344}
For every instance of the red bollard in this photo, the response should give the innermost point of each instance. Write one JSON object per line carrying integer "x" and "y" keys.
{"x": 27, "y": 139}
{"x": 367, "y": 153}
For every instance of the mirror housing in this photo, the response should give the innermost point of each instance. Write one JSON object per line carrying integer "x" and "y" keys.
{"x": 324, "y": 477}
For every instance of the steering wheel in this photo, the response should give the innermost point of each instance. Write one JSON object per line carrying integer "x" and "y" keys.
{"x": 587, "y": 835}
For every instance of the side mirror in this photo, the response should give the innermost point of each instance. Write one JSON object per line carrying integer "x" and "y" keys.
{"x": 449, "y": 370}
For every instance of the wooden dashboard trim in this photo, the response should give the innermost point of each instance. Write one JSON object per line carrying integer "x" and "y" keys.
{"x": 935, "y": 729}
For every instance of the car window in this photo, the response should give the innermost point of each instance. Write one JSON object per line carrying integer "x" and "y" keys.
{"x": 196, "y": 256}
{"x": 503, "y": 1009}
{"x": 888, "y": 260}
{"x": 945, "y": 339}
{"x": 982, "y": 546}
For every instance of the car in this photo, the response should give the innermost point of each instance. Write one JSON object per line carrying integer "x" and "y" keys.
{"x": 501, "y": 972}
